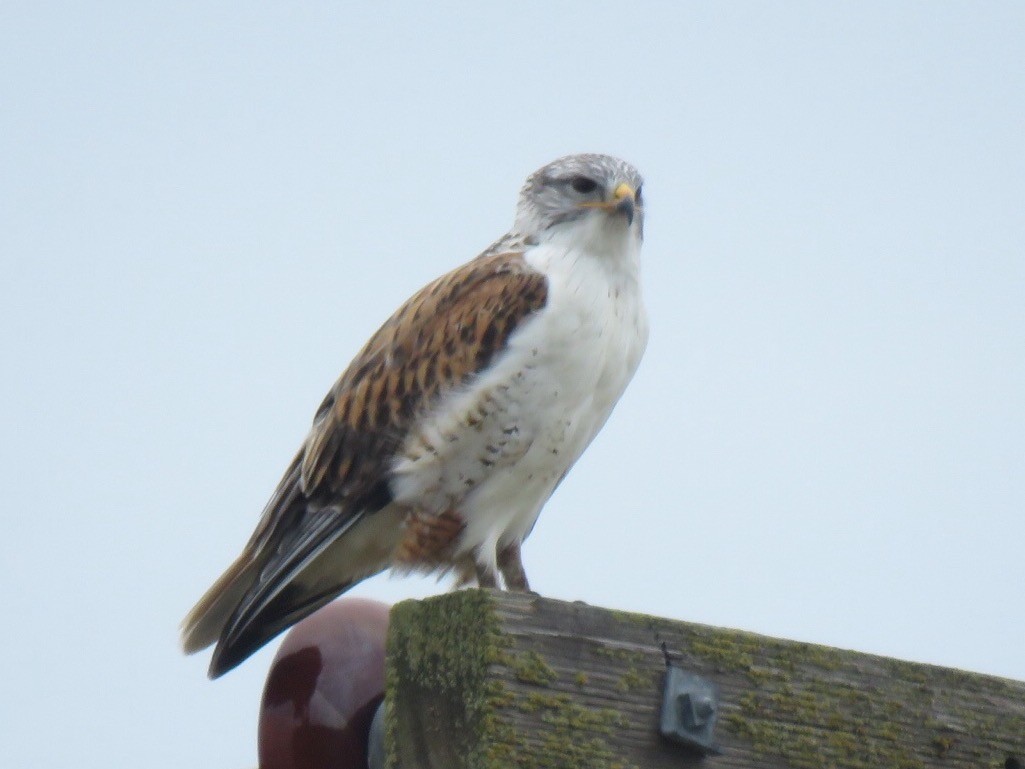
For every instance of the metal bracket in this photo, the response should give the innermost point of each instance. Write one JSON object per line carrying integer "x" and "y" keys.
{"x": 690, "y": 705}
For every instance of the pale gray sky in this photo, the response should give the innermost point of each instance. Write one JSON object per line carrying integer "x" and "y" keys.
{"x": 207, "y": 207}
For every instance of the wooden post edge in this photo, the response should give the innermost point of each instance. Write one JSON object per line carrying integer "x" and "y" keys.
{"x": 487, "y": 680}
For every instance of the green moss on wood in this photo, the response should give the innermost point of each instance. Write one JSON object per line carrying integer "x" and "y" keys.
{"x": 574, "y": 737}
{"x": 634, "y": 679}
{"x": 431, "y": 656}
{"x": 800, "y": 709}
{"x": 618, "y": 653}
{"x": 804, "y": 710}
{"x": 815, "y": 724}
{"x": 638, "y": 674}
{"x": 434, "y": 658}
{"x": 636, "y": 619}
{"x": 942, "y": 744}
{"x": 531, "y": 668}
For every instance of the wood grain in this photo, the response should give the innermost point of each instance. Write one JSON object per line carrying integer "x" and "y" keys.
{"x": 484, "y": 679}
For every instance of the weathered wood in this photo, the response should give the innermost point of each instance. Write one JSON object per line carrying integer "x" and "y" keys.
{"x": 482, "y": 680}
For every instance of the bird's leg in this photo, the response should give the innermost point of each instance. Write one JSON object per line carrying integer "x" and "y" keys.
{"x": 486, "y": 577}
{"x": 511, "y": 565}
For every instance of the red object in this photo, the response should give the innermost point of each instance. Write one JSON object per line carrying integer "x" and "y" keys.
{"x": 323, "y": 688}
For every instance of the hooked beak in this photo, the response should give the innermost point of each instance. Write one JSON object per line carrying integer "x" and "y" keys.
{"x": 624, "y": 201}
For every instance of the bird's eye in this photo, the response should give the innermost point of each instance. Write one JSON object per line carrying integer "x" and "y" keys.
{"x": 637, "y": 197}
{"x": 583, "y": 185}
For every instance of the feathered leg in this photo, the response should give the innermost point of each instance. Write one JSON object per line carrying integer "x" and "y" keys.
{"x": 510, "y": 563}
{"x": 486, "y": 577}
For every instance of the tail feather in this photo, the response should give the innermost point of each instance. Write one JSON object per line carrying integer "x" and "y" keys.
{"x": 204, "y": 624}
{"x": 287, "y": 608}
{"x": 290, "y": 585}
{"x": 279, "y": 580}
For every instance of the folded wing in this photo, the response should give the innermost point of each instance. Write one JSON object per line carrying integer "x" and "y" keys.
{"x": 334, "y": 499}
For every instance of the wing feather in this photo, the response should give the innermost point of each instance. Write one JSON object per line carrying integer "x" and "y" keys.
{"x": 442, "y": 336}
{"x": 438, "y": 340}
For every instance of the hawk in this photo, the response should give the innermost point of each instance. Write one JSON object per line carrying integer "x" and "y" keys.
{"x": 442, "y": 440}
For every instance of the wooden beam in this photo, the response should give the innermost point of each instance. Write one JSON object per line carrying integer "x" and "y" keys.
{"x": 483, "y": 680}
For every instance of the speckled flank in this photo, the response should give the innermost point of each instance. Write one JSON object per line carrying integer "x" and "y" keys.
{"x": 447, "y": 332}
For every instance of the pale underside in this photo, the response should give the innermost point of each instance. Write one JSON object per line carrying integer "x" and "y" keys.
{"x": 492, "y": 452}
{"x": 440, "y": 443}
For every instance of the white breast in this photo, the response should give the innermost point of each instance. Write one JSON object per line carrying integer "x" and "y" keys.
{"x": 501, "y": 447}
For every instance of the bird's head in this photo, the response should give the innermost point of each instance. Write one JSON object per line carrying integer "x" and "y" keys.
{"x": 597, "y": 197}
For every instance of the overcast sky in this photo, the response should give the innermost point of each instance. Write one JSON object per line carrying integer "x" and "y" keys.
{"x": 206, "y": 208}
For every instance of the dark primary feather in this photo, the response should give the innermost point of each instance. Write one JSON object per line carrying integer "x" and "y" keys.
{"x": 439, "y": 339}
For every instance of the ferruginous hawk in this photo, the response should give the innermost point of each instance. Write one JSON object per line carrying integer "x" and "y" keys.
{"x": 438, "y": 446}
